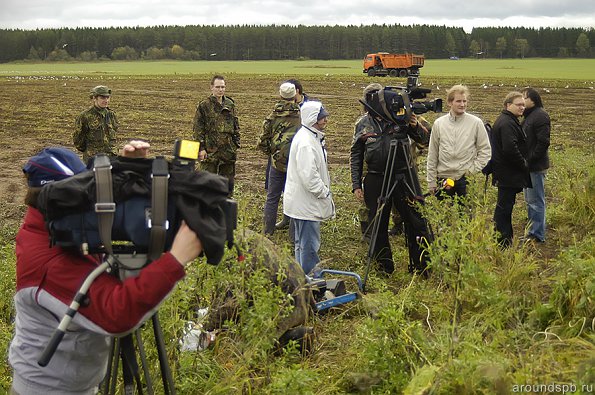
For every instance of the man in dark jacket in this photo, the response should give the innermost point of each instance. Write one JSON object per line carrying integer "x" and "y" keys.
{"x": 536, "y": 126}
{"x": 371, "y": 146}
{"x": 509, "y": 158}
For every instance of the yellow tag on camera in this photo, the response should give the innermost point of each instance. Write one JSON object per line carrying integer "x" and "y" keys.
{"x": 188, "y": 149}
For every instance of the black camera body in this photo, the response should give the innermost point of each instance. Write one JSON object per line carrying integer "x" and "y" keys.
{"x": 396, "y": 104}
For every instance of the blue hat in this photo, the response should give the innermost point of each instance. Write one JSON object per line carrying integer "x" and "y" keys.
{"x": 52, "y": 164}
{"x": 322, "y": 114}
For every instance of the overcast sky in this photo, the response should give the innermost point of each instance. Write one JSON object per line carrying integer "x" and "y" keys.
{"x": 33, "y": 14}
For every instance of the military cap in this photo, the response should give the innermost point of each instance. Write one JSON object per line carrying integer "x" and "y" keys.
{"x": 287, "y": 90}
{"x": 101, "y": 90}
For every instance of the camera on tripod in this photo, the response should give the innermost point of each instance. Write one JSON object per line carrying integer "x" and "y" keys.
{"x": 397, "y": 103}
{"x": 146, "y": 197}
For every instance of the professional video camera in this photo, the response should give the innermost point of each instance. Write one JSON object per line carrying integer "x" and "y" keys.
{"x": 144, "y": 201}
{"x": 396, "y": 104}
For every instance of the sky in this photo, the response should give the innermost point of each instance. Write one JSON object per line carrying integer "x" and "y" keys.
{"x": 34, "y": 14}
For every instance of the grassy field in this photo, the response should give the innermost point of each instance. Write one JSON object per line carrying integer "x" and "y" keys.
{"x": 486, "y": 321}
{"x": 565, "y": 69}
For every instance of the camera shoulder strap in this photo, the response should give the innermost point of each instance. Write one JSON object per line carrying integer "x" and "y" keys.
{"x": 104, "y": 205}
{"x": 406, "y": 105}
{"x": 383, "y": 104}
{"x": 159, "y": 223}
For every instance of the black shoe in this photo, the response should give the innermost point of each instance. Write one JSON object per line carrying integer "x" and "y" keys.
{"x": 387, "y": 266}
{"x": 303, "y": 335}
{"x": 283, "y": 224}
{"x": 366, "y": 230}
{"x": 396, "y": 230}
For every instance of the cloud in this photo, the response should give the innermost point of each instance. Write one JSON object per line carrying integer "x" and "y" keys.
{"x": 33, "y": 14}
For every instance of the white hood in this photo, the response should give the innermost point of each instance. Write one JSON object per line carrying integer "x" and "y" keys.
{"x": 310, "y": 111}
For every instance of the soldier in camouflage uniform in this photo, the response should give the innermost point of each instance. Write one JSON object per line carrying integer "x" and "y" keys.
{"x": 278, "y": 130}
{"x": 96, "y": 128}
{"x": 217, "y": 129}
{"x": 264, "y": 258}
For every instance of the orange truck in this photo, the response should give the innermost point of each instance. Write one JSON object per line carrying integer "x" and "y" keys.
{"x": 395, "y": 65}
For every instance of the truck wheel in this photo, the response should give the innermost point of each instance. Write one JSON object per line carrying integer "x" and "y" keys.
{"x": 403, "y": 73}
{"x": 371, "y": 72}
{"x": 393, "y": 73}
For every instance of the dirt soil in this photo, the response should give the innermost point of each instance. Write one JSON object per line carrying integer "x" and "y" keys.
{"x": 36, "y": 112}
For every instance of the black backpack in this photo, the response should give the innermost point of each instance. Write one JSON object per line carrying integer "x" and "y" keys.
{"x": 489, "y": 167}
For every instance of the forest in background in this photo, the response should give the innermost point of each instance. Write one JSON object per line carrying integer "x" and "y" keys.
{"x": 254, "y": 42}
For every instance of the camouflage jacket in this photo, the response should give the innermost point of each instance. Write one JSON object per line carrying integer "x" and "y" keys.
{"x": 278, "y": 130}
{"x": 217, "y": 129}
{"x": 95, "y": 132}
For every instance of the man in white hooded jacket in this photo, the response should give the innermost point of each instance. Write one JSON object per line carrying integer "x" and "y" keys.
{"x": 307, "y": 197}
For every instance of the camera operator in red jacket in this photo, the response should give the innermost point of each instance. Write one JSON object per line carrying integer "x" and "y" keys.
{"x": 48, "y": 277}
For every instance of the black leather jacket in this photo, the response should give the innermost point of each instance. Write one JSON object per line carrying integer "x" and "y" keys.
{"x": 509, "y": 152}
{"x": 371, "y": 145}
{"x": 537, "y": 128}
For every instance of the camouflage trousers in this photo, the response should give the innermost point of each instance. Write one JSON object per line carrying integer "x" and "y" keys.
{"x": 223, "y": 168}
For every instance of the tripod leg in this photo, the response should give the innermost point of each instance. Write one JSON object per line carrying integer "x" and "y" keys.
{"x": 168, "y": 381}
{"x": 112, "y": 366}
{"x": 130, "y": 371}
{"x": 143, "y": 360}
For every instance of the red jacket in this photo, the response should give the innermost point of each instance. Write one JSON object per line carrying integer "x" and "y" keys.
{"x": 47, "y": 280}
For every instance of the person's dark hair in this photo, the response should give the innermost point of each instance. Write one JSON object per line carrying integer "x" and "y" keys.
{"x": 32, "y": 194}
{"x": 532, "y": 94}
{"x": 217, "y": 77}
{"x": 298, "y": 85}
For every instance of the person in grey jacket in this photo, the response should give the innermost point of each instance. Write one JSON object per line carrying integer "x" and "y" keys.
{"x": 536, "y": 126}
{"x": 307, "y": 197}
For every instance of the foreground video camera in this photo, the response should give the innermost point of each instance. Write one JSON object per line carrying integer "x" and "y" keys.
{"x": 146, "y": 195}
{"x": 396, "y": 104}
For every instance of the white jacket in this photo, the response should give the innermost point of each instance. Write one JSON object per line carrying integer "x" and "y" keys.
{"x": 307, "y": 194}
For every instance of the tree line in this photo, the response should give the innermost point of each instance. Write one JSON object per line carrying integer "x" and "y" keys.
{"x": 253, "y": 42}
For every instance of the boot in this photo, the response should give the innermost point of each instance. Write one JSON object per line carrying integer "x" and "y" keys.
{"x": 283, "y": 224}
{"x": 366, "y": 231}
{"x": 396, "y": 230}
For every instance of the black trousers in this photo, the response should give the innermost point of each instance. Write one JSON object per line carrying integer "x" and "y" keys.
{"x": 459, "y": 189}
{"x": 503, "y": 214}
{"x": 416, "y": 229}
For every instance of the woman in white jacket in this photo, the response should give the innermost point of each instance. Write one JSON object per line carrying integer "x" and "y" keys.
{"x": 307, "y": 197}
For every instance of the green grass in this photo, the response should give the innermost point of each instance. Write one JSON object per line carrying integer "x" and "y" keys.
{"x": 571, "y": 69}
